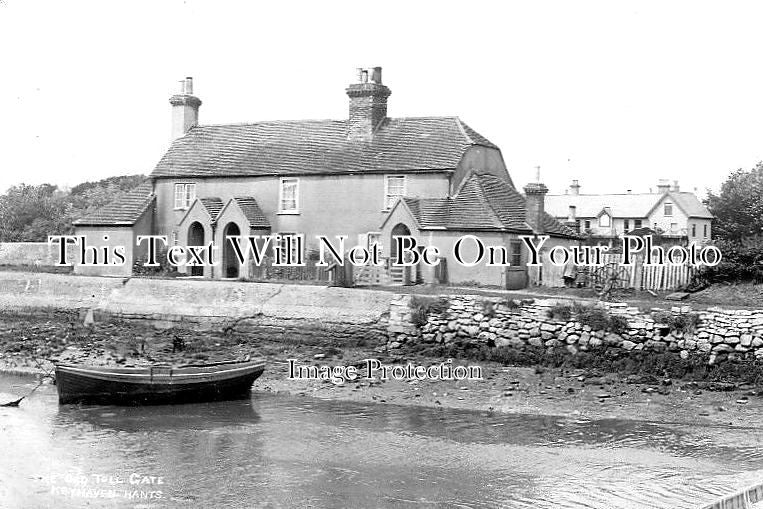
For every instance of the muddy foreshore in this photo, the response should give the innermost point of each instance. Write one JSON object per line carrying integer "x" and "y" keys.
{"x": 30, "y": 344}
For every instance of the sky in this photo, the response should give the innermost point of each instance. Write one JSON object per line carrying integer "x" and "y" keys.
{"x": 615, "y": 94}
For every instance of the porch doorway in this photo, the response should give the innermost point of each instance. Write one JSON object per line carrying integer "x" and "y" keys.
{"x": 196, "y": 238}
{"x": 400, "y": 275}
{"x": 231, "y": 265}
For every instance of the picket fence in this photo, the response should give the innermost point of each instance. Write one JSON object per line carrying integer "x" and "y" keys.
{"x": 638, "y": 276}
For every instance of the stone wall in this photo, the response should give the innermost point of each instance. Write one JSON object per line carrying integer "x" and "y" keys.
{"x": 30, "y": 254}
{"x": 716, "y": 334}
{"x": 296, "y": 313}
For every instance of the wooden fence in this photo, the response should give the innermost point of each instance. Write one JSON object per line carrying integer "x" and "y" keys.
{"x": 638, "y": 276}
{"x": 266, "y": 271}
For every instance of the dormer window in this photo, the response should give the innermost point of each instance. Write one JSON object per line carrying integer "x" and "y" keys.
{"x": 668, "y": 211}
{"x": 604, "y": 221}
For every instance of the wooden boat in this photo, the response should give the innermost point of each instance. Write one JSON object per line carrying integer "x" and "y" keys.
{"x": 157, "y": 384}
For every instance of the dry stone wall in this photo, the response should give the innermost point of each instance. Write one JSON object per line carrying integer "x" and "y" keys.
{"x": 716, "y": 334}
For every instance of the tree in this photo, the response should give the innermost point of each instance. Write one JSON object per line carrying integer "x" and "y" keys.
{"x": 738, "y": 209}
{"x": 31, "y": 213}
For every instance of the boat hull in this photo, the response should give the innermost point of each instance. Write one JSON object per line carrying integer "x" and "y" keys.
{"x": 155, "y": 386}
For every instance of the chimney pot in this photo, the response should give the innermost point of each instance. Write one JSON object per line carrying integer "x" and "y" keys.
{"x": 575, "y": 188}
{"x": 185, "y": 109}
{"x": 663, "y": 186}
{"x": 368, "y": 104}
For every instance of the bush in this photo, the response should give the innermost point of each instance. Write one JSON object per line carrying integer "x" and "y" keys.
{"x": 618, "y": 324}
{"x": 488, "y": 308}
{"x": 742, "y": 261}
{"x": 422, "y": 306}
{"x": 600, "y": 319}
{"x": 594, "y": 317}
{"x": 677, "y": 323}
{"x": 561, "y": 312}
{"x": 165, "y": 268}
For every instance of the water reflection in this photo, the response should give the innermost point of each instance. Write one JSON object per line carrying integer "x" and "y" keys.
{"x": 284, "y": 451}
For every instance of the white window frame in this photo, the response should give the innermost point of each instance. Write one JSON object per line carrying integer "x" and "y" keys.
{"x": 281, "y": 183}
{"x": 182, "y": 197}
{"x": 667, "y": 205}
{"x": 387, "y": 178}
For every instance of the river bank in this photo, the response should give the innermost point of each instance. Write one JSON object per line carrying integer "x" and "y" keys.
{"x": 583, "y": 393}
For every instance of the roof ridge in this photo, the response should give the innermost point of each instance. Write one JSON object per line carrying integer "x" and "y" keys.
{"x": 481, "y": 191}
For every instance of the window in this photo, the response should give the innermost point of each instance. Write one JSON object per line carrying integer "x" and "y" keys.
{"x": 394, "y": 187}
{"x": 587, "y": 224}
{"x": 673, "y": 227}
{"x": 626, "y": 225}
{"x": 287, "y": 244}
{"x": 604, "y": 220}
{"x": 288, "y": 196}
{"x": 668, "y": 209}
{"x": 184, "y": 195}
{"x": 693, "y": 230}
{"x": 515, "y": 253}
{"x": 637, "y": 223}
{"x": 704, "y": 230}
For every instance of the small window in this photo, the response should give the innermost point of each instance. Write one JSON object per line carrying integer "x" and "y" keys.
{"x": 693, "y": 230}
{"x": 287, "y": 242}
{"x": 668, "y": 209}
{"x": 626, "y": 225}
{"x": 637, "y": 223}
{"x": 515, "y": 253}
{"x": 184, "y": 195}
{"x": 394, "y": 187}
{"x": 673, "y": 227}
{"x": 604, "y": 220}
{"x": 587, "y": 224}
{"x": 704, "y": 230}
{"x": 289, "y": 196}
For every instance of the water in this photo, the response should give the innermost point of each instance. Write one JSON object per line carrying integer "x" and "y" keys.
{"x": 279, "y": 451}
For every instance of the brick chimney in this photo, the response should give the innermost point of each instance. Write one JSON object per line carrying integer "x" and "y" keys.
{"x": 185, "y": 109}
{"x": 574, "y": 188}
{"x": 535, "y": 208}
{"x": 663, "y": 186}
{"x": 368, "y": 104}
{"x": 572, "y": 220}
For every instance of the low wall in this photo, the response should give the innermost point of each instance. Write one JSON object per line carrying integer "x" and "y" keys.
{"x": 260, "y": 309}
{"x": 27, "y": 253}
{"x": 715, "y": 333}
{"x": 306, "y": 313}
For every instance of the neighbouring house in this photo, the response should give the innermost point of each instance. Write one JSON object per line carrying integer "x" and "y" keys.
{"x": 368, "y": 176}
{"x": 676, "y": 216}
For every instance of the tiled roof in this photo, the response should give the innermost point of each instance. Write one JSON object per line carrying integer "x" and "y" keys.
{"x": 253, "y": 213}
{"x": 484, "y": 202}
{"x": 213, "y": 206}
{"x": 318, "y": 147}
{"x": 124, "y": 211}
{"x": 622, "y": 205}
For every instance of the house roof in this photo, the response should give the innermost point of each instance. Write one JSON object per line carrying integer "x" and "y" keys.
{"x": 623, "y": 205}
{"x": 124, "y": 211}
{"x": 484, "y": 202}
{"x": 305, "y": 147}
{"x": 213, "y": 206}
{"x": 253, "y": 213}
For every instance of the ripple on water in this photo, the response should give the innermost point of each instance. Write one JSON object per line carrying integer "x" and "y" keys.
{"x": 298, "y": 451}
